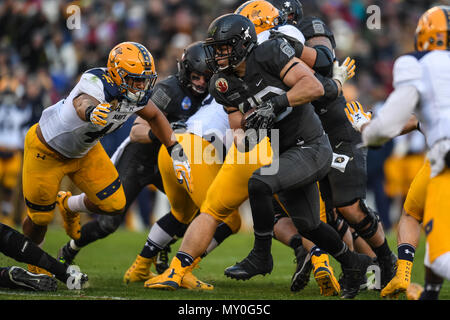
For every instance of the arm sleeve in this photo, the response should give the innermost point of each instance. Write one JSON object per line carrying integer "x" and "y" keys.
{"x": 399, "y": 106}
{"x": 392, "y": 117}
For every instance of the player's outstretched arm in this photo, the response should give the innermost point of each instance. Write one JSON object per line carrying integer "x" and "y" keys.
{"x": 163, "y": 131}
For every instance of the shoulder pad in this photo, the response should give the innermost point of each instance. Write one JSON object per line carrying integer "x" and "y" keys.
{"x": 110, "y": 89}
{"x": 406, "y": 68}
{"x": 272, "y": 48}
{"x": 313, "y": 27}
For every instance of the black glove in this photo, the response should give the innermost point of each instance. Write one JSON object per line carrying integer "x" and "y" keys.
{"x": 262, "y": 118}
{"x": 264, "y": 115}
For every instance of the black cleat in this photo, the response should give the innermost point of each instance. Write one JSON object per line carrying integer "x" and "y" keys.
{"x": 66, "y": 254}
{"x": 162, "y": 260}
{"x": 31, "y": 281}
{"x": 355, "y": 276}
{"x": 303, "y": 272}
{"x": 251, "y": 266}
{"x": 388, "y": 268}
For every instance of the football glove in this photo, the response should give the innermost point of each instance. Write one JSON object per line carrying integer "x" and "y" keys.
{"x": 356, "y": 115}
{"x": 181, "y": 165}
{"x": 344, "y": 71}
{"x": 98, "y": 115}
{"x": 400, "y": 281}
{"x": 262, "y": 118}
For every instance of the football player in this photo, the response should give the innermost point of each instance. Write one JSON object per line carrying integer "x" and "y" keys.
{"x": 238, "y": 83}
{"x": 318, "y": 53}
{"x": 268, "y": 21}
{"x": 65, "y": 142}
{"x": 178, "y": 97}
{"x": 418, "y": 83}
{"x": 19, "y": 247}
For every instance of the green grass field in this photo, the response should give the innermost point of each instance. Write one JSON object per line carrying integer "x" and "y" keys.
{"x": 105, "y": 262}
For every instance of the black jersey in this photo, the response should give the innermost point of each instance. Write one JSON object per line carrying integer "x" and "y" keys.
{"x": 261, "y": 82}
{"x": 176, "y": 101}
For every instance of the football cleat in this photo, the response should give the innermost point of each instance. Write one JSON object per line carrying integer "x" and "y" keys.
{"x": 302, "y": 274}
{"x": 414, "y": 291}
{"x": 400, "y": 281}
{"x": 162, "y": 260}
{"x": 251, "y": 266}
{"x": 66, "y": 254}
{"x": 139, "y": 270}
{"x": 190, "y": 281}
{"x": 37, "y": 270}
{"x": 324, "y": 275}
{"x": 353, "y": 277}
{"x": 71, "y": 219}
{"x": 169, "y": 279}
{"x": 30, "y": 281}
{"x": 388, "y": 267}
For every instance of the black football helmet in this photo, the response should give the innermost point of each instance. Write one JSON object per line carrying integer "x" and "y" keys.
{"x": 291, "y": 11}
{"x": 193, "y": 60}
{"x": 232, "y": 30}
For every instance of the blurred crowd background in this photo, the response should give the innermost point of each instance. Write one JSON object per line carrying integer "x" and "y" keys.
{"x": 41, "y": 60}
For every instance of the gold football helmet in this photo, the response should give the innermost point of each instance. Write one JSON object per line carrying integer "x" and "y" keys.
{"x": 132, "y": 68}
{"x": 432, "y": 32}
{"x": 262, "y": 13}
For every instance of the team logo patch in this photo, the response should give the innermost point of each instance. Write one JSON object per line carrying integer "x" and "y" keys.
{"x": 186, "y": 103}
{"x": 287, "y": 49}
{"x": 318, "y": 27}
{"x": 221, "y": 85}
{"x": 339, "y": 160}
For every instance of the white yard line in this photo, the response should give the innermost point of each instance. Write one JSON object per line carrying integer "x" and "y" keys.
{"x": 15, "y": 293}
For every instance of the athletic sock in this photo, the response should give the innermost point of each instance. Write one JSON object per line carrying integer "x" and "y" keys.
{"x": 185, "y": 259}
{"x": 406, "y": 252}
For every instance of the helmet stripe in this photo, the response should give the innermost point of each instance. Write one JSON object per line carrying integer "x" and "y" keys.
{"x": 446, "y": 10}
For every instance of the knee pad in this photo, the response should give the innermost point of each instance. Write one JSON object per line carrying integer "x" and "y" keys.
{"x": 41, "y": 215}
{"x": 369, "y": 225}
{"x": 113, "y": 207}
{"x": 109, "y": 224}
{"x": 257, "y": 186}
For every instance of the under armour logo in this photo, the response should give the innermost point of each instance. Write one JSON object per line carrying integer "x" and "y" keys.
{"x": 41, "y": 156}
{"x": 409, "y": 252}
{"x": 172, "y": 273}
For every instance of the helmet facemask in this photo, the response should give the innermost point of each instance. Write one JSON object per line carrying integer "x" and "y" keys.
{"x": 235, "y": 50}
{"x": 137, "y": 86}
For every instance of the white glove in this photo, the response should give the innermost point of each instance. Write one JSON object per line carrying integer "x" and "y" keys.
{"x": 98, "y": 115}
{"x": 181, "y": 165}
{"x": 344, "y": 71}
{"x": 356, "y": 115}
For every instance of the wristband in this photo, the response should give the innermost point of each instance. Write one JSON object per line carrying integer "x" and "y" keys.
{"x": 280, "y": 103}
{"x": 170, "y": 149}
